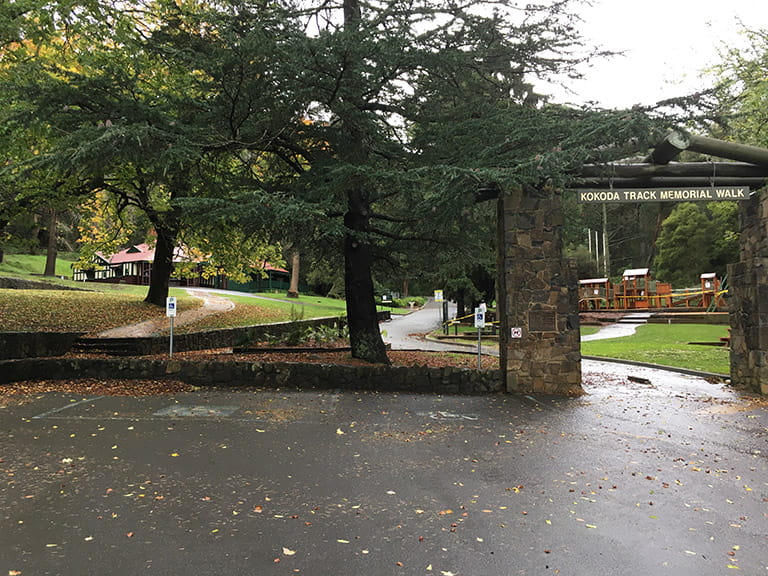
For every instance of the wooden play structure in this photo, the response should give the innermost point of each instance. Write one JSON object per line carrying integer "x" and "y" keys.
{"x": 638, "y": 290}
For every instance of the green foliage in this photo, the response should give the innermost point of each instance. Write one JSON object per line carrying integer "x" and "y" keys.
{"x": 406, "y": 302}
{"x": 310, "y": 335}
{"x": 742, "y": 91}
{"x": 586, "y": 266}
{"x": 694, "y": 239}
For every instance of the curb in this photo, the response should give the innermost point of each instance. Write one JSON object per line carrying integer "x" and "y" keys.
{"x": 687, "y": 371}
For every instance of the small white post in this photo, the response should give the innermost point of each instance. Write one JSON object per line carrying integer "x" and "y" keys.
{"x": 480, "y": 324}
{"x": 170, "y": 311}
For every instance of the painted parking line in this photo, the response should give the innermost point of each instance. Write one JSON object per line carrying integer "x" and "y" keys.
{"x": 445, "y": 415}
{"x": 196, "y": 411}
{"x": 275, "y": 408}
{"x": 61, "y": 409}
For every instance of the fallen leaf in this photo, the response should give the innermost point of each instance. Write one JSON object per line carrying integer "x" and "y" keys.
{"x": 288, "y": 551}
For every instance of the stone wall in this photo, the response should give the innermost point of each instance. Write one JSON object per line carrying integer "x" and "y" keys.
{"x": 538, "y": 296}
{"x": 748, "y": 280}
{"x": 206, "y": 340}
{"x": 258, "y": 374}
{"x": 42, "y": 344}
{"x": 36, "y": 344}
{"x": 23, "y": 284}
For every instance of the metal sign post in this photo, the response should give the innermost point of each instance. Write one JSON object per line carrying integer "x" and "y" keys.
{"x": 170, "y": 312}
{"x": 440, "y": 299}
{"x": 480, "y": 324}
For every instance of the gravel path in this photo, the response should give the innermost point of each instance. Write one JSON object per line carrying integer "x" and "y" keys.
{"x": 212, "y": 304}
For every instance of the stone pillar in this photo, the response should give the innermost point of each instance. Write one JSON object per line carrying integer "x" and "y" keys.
{"x": 538, "y": 296}
{"x": 748, "y": 291}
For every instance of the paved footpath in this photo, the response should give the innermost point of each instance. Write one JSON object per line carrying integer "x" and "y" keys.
{"x": 669, "y": 477}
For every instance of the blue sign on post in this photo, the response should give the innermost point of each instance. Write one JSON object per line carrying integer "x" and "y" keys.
{"x": 170, "y": 306}
{"x": 479, "y": 324}
{"x": 479, "y": 318}
{"x": 170, "y": 312}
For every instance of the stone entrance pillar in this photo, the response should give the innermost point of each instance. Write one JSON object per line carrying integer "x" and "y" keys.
{"x": 538, "y": 296}
{"x": 748, "y": 281}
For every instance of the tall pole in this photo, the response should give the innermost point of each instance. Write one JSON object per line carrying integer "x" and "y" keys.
{"x": 597, "y": 251}
{"x": 606, "y": 257}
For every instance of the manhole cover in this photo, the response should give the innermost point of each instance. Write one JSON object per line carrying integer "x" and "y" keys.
{"x": 182, "y": 410}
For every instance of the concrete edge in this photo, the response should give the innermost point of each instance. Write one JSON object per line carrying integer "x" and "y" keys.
{"x": 687, "y": 371}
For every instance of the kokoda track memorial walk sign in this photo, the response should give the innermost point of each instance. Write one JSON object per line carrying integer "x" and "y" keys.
{"x": 704, "y": 194}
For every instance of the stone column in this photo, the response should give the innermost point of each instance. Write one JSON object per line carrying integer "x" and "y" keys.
{"x": 748, "y": 291}
{"x": 538, "y": 296}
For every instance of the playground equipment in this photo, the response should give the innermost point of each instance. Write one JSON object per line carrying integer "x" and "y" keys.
{"x": 638, "y": 290}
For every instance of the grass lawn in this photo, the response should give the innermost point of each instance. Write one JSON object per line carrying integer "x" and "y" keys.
{"x": 330, "y": 303}
{"x": 25, "y": 265}
{"x": 587, "y": 330}
{"x": 668, "y": 345}
{"x": 250, "y": 311}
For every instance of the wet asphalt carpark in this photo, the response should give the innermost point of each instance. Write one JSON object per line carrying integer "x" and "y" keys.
{"x": 666, "y": 477}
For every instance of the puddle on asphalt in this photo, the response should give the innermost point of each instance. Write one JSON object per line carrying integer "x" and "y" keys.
{"x": 606, "y": 378}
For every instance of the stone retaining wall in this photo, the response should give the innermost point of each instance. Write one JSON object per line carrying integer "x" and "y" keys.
{"x": 36, "y": 344}
{"x": 748, "y": 281}
{"x": 207, "y": 340}
{"x": 22, "y": 284}
{"x": 259, "y": 374}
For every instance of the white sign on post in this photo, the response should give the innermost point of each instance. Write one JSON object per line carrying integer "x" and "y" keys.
{"x": 438, "y": 295}
{"x": 479, "y": 318}
{"x": 170, "y": 312}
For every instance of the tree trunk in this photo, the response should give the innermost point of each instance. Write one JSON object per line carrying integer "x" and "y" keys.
{"x": 53, "y": 238}
{"x": 461, "y": 305}
{"x": 364, "y": 334}
{"x": 3, "y": 224}
{"x": 162, "y": 267}
{"x": 293, "y": 289}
